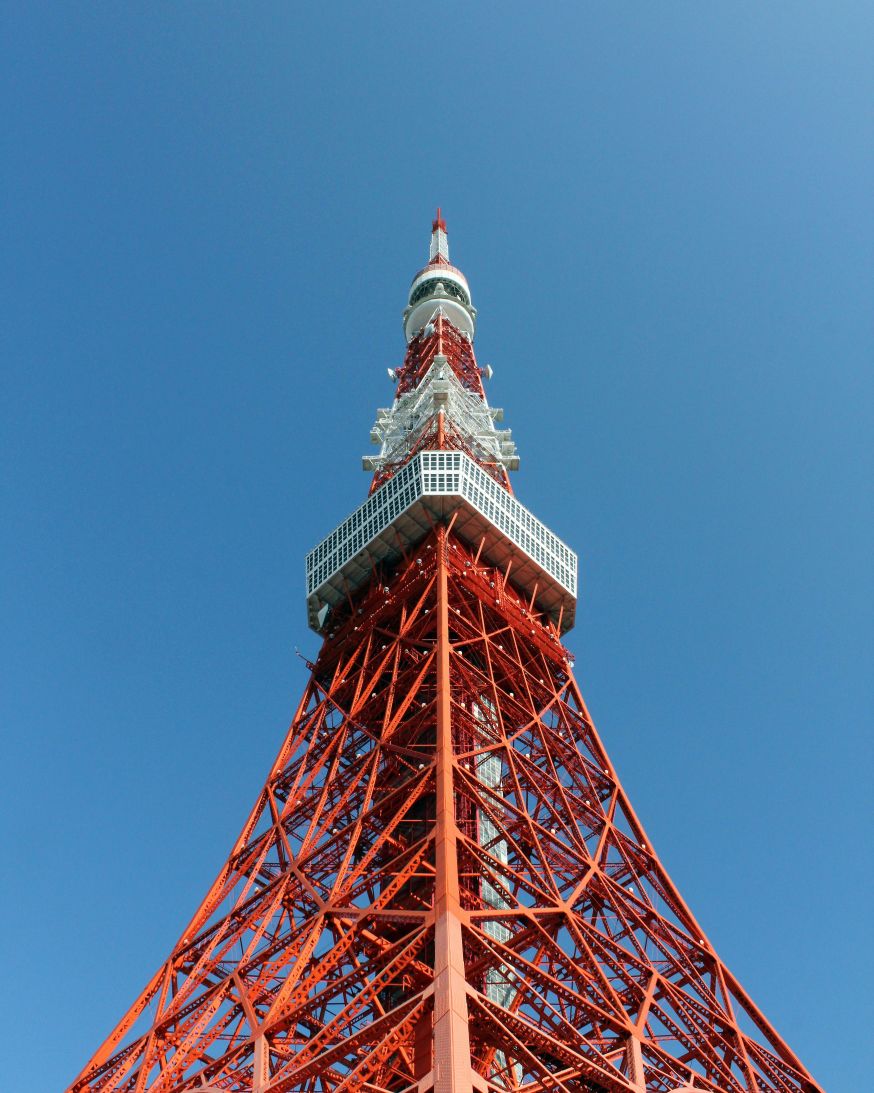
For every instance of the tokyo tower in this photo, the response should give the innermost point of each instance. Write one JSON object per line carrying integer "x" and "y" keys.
{"x": 442, "y": 884}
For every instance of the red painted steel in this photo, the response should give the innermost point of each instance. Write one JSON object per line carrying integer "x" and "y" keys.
{"x": 390, "y": 919}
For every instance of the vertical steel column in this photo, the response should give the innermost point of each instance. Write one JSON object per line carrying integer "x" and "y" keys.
{"x": 452, "y": 1069}
{"x": 634, "y": 1063}
{"x": 260, "y": 1065}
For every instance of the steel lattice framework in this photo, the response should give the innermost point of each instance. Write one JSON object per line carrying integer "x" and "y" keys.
{"x": 442, "y": 884}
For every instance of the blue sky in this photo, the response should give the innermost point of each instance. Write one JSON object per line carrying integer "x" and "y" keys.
{"x": 212, "y": 213}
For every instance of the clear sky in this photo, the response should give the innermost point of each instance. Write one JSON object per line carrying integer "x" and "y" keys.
{"x": 211, "y": 214}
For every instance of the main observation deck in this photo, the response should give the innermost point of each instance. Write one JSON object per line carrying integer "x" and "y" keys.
{"x": 432, "y": 486}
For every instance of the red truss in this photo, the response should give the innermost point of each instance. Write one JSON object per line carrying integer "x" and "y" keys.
{"x": 443, "y": 886}
{"x": 444, "y": 339}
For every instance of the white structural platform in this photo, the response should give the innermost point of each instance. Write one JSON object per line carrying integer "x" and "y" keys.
{"x": 430, "y": 488}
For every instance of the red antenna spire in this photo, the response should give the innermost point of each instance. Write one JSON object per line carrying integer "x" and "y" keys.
{"x": 438, "y": 224}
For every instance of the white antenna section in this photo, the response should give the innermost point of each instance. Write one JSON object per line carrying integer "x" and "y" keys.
{"x": 439, "y": 239}
{"x": 398, "y": 428}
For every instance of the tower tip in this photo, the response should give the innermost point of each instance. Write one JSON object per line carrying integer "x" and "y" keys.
{"x": 439, "y": 242}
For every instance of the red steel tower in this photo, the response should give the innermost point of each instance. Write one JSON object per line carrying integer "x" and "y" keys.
{"x": 442, "y": 885}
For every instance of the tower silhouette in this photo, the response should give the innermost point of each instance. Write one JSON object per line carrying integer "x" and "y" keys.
{"x": 442, "y": 885}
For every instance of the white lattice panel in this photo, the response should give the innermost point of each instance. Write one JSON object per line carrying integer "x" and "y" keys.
{"x": 431, "y": 487}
